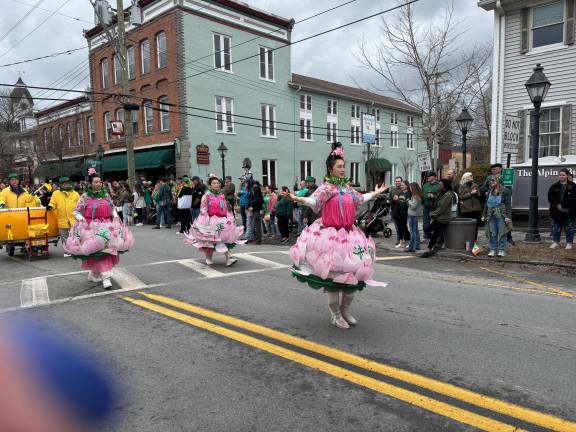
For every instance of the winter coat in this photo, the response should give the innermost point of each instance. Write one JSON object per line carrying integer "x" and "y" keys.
{"x": 18, "y": 198}
{"x": 185, "y": 197}
{"x": 504, "y": 211}
{"x": 469, "y": 202}
{"x": 307, "y": 212}
{"x": 400, "y": 209}
{"x": 415, "y": 207}
{"x": 64, "y": 202}
{"x": 284, "y": 207}
{"x": 434, "y": 189}
{"x": 443, "y": 211}
{"x": 568, "y": 201}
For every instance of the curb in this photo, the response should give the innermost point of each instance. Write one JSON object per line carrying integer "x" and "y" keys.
{"x": 462, "y": 256}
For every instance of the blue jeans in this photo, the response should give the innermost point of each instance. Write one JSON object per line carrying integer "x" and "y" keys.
{"x": 249, "y": 225}
{"x": 426, "y": 220}
{"x": 244, "y": 218}
{"x": 301, "y": 225}
{"x": 126, "y": 213}
{"x": 414, "y": 233}
{"x": 559, "y": 222}
{"x": 497, "y": 240}
{"x": 271, "y": 225}
{"x": 397, "y": 231}
{"x": 163, "y": 212}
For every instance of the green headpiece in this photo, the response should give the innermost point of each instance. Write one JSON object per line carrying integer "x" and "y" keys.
{"x": 13, "y": 175}
{"x": 64, "y": 180}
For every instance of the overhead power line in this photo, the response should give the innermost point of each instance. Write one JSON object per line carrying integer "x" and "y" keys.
{"x": 56, "y": 54}
{"x": 55, "y": 12}
{"x": 17, "y": 23}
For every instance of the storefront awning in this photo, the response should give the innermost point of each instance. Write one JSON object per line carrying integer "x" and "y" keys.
{"x": 375, "y": 165}
{"x": 145, "y": 159}
{"x": 56, "y": 169}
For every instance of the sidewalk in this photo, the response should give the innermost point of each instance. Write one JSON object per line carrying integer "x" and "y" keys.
{"x": 521, "y": 253}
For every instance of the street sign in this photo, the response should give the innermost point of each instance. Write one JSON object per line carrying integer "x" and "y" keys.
{"x": 508, "y": 175}
{"x": 93, "y": 162}
{"x": 424, "y": 161}
{"x": 368, "y": 129}
{"x": 511, "y": 133}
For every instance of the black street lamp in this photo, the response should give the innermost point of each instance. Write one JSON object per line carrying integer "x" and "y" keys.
{"x": 464, "y": 121}
{"x": 537, "y": 87}
{"x": 222, "y": 149}
{"x": 30, "y": 162}
{"x": 100, "y": 156}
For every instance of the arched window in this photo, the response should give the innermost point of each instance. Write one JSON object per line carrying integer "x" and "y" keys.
{"x": 161, "y": 50}
{"x": 131, "y": 63}
{"x": 117, "y": 70}
{"x": 105, "y": 71}
{"x": 164, "y": 113}
{"x": 120, "y": 117}
{"x": 46, "y": 138}
{"x": 145, "y": 56}
{"x": 107, "y": 126}
{"x": 148, "y": 117}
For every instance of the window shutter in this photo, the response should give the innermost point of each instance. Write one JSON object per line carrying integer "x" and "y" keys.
{"x": 566, "y": 123}
{"x": 524, "y": 44}
{"x": 570, "y": 22}
{"x": 520, "y": 156}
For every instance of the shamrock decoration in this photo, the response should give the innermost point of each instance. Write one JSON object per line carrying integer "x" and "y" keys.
{"x": 359, "y": 250}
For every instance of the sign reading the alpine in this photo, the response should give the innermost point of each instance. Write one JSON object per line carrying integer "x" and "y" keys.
{"x": 511, "y": 133}
{"x": 368, "y": 129}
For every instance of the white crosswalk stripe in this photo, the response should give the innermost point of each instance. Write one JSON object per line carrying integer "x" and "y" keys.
{"x": 34, "y": 292}
{"x": 260, "y": 261}
{"x": 126, "y": 279}
{"x": 201, "y": 268}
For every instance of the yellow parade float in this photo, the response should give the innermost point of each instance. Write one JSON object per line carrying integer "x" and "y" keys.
{"x": 30, "y": 228}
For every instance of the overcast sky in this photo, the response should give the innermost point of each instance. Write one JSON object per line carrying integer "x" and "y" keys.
{"x": 329, "y": 57}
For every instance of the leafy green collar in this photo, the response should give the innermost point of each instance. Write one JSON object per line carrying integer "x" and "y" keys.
{"x": 96, "y": 194}
{"x": 341, "y": 182}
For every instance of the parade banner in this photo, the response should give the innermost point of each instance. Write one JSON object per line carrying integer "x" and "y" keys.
{"x": 368, "y": 129}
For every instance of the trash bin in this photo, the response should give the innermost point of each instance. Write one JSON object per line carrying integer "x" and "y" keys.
{"x": 458, "y": 232}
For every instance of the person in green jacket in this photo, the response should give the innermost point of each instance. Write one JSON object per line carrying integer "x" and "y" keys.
{"x": 430, "y": 191}
{"x": 283, "y": 212}
{"x": 441, "y": 217}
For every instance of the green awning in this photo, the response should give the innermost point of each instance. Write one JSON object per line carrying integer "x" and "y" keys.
{"x": 144, "y": 160}
{"x": 375, "y": 165}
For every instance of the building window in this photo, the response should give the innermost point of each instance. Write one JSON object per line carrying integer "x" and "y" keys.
{"x": 105, "y": 73}
{"x": 45, "y": 134}
{"x": 69, "y": 134}
{"x": 145, "y": 56}
{"x": 61, "y": 135}
{"x": 161, "y": 50}
{"x": 332, "y": 106}
{"x": 305, "y": 102}
{"x": 331, "y": 129}
{"x": 148, "y": 117}
{"x": 355, "y": 134}
{"x": 53, "y": 137}
{"x": 266, "y": 63}
{"x": 377, "y": 141}
{"x": 80, "y": 133}
{"x": 134, "y": 118}
{"x": 376, "y": 113}
{"x": 131, "y": 63}
{"x": 224, "y": 114}
{"x": 548, "y": 24}
{"x": 306, "y": 129}
{"x": 354, "y": 169}
{"x": 268, "y": 120}
{"x": 394, "y": 139}
{"x": 120, "y": 117}
{"x": 355, "y": 111}
{"x": 394, "y": 171}
{"x": 117, "y": 70}
{"x": 393, "y": 118}
{"x": 549, "y": 133}
{"x": 222, "y": 54}
{"x": 410, "y": 141}
{"x": 108, "y": 126}
{"x": 164, "y": 113}
{"x": 410, "y": 121}
{"x": 305, "y": 169}
{"x": 91, "y": 130}
{"x": 268, "y": 172}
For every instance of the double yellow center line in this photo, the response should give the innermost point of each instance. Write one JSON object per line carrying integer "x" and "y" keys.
{"x": 468, "y": 417}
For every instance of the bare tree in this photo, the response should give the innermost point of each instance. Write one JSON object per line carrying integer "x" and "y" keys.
{"x": 479, "y": 96}
{"x": 429, "y": 54}
{"x": 407, "y": 162}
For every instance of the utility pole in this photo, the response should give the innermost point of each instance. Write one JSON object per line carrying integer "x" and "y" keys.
{"x": 128, "y": 108}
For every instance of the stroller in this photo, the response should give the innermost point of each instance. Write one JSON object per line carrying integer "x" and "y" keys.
{"x": 370, "y": 221}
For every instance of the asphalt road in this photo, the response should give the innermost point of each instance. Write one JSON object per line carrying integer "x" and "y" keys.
{"x": 445, "y": 347}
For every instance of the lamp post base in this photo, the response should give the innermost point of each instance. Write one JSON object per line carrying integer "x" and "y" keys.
{"x": 532, "y": 236}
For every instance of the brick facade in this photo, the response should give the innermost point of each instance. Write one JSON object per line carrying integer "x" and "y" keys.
{"x": 156, "y": 83}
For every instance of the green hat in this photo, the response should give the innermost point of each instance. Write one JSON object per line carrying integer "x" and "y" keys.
{"x": 64, "y": 180}
{"x": 185, "y": 179}
{"x": 13, "y": 175}
{"x": 310, "y": 179}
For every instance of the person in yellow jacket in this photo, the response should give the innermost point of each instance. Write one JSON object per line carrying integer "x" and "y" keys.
{"x": 15, "y": 196}
{"x": 64, "y": 202}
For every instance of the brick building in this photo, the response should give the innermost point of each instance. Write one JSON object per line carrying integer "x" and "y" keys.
{"x": 153, "y": 76}
{"x": 66, "y": 139}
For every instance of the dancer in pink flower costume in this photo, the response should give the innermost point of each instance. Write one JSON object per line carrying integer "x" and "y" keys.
{"x": 98, "y": 235}
{"x": 333, "y": 254}
{"x": 215, "y": 228}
